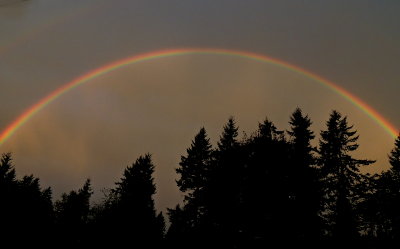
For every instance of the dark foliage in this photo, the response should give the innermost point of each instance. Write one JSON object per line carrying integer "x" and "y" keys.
{"x": 343, "y": 184}
{"x": 128, "y": 215}
{"x": 272, "y": 189}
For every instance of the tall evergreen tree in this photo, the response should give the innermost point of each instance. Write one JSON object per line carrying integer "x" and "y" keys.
{"x": 303, "y": 179}
{"x": 228, "y": 140}
{"x": 394, "y": 156}
{"x": 388, "y": 196}
{"x": 8, "y": 197}
{"x": 26, "y": 209}
{"x": 195, "y": 169}
{"x": 194, "y": 172}
{"x": 301, "y": 137}
{"x": 382, "y": 205}
{"x": 341, "y": 177}
{"x": 34, "y": 210}
{"x": 265, "y": 181}
{"x": 129, "y": 212}
{"x": 7, "y": 171}
{"x": 225, "y": 186}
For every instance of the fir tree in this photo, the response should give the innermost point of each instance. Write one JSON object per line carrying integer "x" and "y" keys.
{"x": 303, "y": 179}
{"x": 388, "y": 195}
{"x": 265, "y": 186}
{"x": 341, "y": 177}
{"x": 129, "y": 211}
{"x": 225, "y": 186}
{"x": 26, "y": 209}
{"x": 394, "y": 156}
{"x": 194, "y": 173}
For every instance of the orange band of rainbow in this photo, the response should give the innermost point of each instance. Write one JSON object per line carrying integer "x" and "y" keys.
{"x": 31, "y": 111}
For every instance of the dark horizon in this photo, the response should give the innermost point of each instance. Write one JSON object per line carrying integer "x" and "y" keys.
{"x": 270, "y": 186}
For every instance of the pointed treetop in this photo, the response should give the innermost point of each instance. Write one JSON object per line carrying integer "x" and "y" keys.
{"x": 394, "y": 156}
{"x": 268, "y": 131}
{"x": 195, "y": 165}
{"x": 228, "y": 139}
{"x": 339, "y": 133}
{"x": 138, "y": 177}
{"x": 300, "y": 125}
{"x": 7, "y": 171}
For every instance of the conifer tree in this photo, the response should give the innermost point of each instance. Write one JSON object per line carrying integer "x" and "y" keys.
{"x": 7, "y": 171}
{"x": 8, "y": 197}
{"x": 129, "y": 212}
{"x": 194, "y": 171}
{"x": 265, "y": 192}
{"x": 225, "y": 186}
{"x": 303, "y": 178}
{"x": 341, "y": 177}
{"x": 26, "y": 209}
{"x": 394, "y": 156}
{"x": 389, "y": 194}
{"x": 228, "y": 139}
{"x": 72, "y": 216}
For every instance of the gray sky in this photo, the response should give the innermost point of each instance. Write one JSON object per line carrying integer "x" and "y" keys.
{"x": 158, "y": 106}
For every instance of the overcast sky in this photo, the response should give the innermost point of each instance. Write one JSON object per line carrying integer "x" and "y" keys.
{"x": 158, "y": 106}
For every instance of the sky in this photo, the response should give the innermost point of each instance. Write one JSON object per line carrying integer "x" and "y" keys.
{"x": 157, "y": 106}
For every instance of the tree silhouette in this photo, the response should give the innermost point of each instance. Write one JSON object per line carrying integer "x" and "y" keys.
{"x": 195, "y": 169}
{"x": 26, "y": 210}
{"x": 8, "y": 198}
{"x": 7, "y": 171}
{"x": 272, "y": 188}
{"x": 265, "y": 192}
{"x": 224, "y": 190}
{"x": 128, "y": 216}
{"x": 35, "y": 210}
{"x": 394, "y": 156}
{"x": 386, "y": 199}
{"x": 180, "y": 232}
{"x": 391, "y": 182}
{"x": 72, "y": 213}
{"x": 341, "y": 178}
{"x": 305, "y": 190}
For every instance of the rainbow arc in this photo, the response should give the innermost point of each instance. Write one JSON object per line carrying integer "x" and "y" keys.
{"x": 34, "y": 109}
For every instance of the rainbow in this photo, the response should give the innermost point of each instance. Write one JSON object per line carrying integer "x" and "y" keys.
{"x": 31, "y": 111}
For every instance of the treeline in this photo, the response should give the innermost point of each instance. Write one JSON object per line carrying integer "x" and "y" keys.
{"x": 272, "y": 188}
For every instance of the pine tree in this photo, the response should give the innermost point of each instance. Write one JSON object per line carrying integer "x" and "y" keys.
{"x": 8, "y": 198}
{"x": 341, "y": 177}
{"x": 26, "y": 209}
{"x": 303, "y": 179}
{"x": 72, "y": 213}
{"x": 195, "y": 170}
{"x": 73, "y": 208}
{"x": 394, "y": 156}
{"x": 301, "y": 137}
{"x": 7, "y": 171}
{"x": 228, "y": 140}
{"x": 390, "y": 182}
{"x": 225, "y": 185}
{"x": 194, "y": 173}
{"x": 265, "y": 192}
{"x": 128, "y": 215}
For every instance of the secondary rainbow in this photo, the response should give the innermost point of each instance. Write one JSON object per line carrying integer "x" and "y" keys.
{"x": 31, "y": 111}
